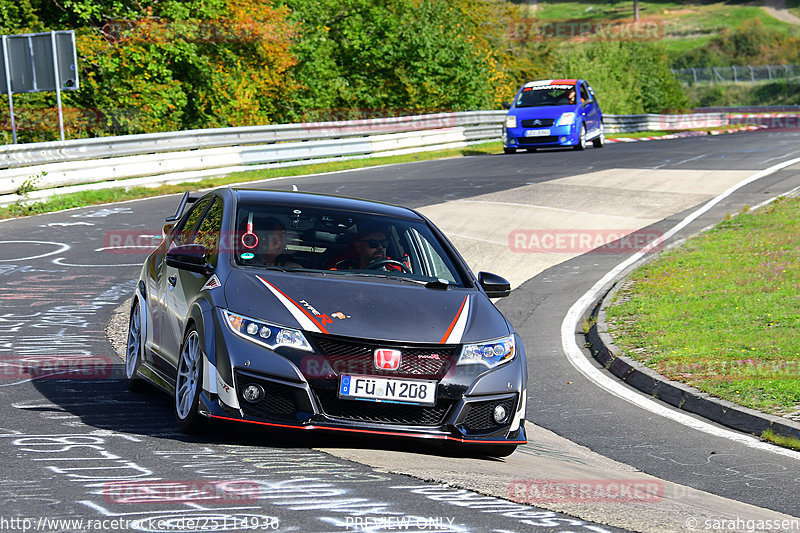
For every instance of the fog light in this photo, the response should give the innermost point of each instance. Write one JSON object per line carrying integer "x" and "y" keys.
{"x": 500, "y": 414}
{"x": 563, "y": 139}
{"x": 253, "y": 394}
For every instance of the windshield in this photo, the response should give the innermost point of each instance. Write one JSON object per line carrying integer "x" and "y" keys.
{"x": 341, "y": 243}
{"x": 546, "y": 95}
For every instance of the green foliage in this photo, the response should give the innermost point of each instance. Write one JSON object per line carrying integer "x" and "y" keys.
{"x": 161, "y": 66}
{"x": 397, "y": 56}
{"x": 752, "y": 44}
{"x": 745, "y": 94}
{"x": 17, "y": 15}
{"x": 629, "y": 77}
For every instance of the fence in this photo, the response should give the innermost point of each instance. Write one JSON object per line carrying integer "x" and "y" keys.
{"x": 150, "y": 159}
{"x": 737, "y": 74}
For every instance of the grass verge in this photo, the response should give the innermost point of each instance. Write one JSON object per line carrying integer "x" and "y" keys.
{"x": 721, "y": 312}
{"x": 786, "y": 442}
{"x": 119, "y": 194}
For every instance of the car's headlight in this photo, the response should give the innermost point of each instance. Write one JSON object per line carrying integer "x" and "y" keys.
{"x": 491, "y": 354}
{"x": 264, "y": 333}
{"x": 566, "y": 119}
{"x": 511, "y": 121}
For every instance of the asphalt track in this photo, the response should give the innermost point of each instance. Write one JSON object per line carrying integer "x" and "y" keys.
{"x": 58, "y": 304}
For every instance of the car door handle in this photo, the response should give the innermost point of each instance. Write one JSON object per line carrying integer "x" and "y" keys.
{"x": 172, "y": 280}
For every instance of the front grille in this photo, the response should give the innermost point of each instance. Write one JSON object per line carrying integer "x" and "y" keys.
{"x": 280, "y": 401}
{"x": 480, "y": 416}
{"x": 543, "y": 122}
{"x": 381, "y": 412}
{"x": 346, "y": 356}
{"x": 537, "y": 140}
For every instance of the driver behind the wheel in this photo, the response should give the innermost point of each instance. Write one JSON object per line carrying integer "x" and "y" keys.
{"x": 366, "y": 248}
{"x": 371, "y": 248}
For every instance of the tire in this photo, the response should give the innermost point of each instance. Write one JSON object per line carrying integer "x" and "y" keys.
{"x": 600, "y": 140}
{"x": 134, "y": 348}
{"x": 188, "y": 383}
{"x": 509, "y": 150}
{"x": 582, "y": 139}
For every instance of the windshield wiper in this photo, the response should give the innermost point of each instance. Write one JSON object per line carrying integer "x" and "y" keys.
{"x": 433, "y": 284}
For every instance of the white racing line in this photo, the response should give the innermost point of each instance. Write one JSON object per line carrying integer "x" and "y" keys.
{"x": 577, "y": 358}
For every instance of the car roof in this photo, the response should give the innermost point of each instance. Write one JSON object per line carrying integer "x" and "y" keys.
{"x": 571, "y": 81}
{"x": 324, "y": 201}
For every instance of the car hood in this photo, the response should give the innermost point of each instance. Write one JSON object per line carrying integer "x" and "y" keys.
{"x": 370, "y": 308}
{"x": 523, "y": 113}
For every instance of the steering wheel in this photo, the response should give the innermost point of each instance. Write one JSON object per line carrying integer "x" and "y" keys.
{"x": 383, "y": 262}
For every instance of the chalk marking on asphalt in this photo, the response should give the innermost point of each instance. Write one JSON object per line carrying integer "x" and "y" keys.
{"x": 477, "y": 238}
{"x": 63, "y": 248}
{"x": 60, "y": 261}
{"x": 534, "y": 206}
{"x": 577, "y": 358}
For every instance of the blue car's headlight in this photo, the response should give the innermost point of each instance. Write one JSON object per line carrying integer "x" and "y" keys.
{"x": 511, "y": 121}
{"x": 566, "y": 119}
{"x": 264, "y": 333}
{"x": 491, "y": 354}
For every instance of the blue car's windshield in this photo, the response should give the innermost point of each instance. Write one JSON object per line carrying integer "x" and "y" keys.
{"x": 545, "y": 95}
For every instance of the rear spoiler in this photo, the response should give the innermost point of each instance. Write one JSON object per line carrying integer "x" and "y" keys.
{"x": 187, "y": 199}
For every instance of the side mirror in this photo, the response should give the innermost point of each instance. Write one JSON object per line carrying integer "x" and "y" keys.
{"x": 506, "y": 105}
{"x": 494, "y": 285}
{"x": 191, "y": 257}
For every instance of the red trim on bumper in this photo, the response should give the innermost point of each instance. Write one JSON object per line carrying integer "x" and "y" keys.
{"x": 372, "y": 431}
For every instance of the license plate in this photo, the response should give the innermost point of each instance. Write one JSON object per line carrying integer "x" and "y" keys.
{"x": 375, "y": 388}
{"x": 537, "y": 133}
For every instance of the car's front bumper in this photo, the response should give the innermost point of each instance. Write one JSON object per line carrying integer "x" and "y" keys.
{"x": 466, "y": 398}
{"x": 552, "y": 136}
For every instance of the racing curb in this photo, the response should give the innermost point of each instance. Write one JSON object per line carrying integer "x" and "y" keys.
{"x": 674, "y": 393}
{"x": 681, "y": 134}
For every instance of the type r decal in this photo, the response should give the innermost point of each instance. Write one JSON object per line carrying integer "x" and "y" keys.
{"x": 458, "y": 325}
{"x": 306, "y": 320}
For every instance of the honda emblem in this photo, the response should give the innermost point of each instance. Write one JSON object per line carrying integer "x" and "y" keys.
{"x": 387, "y": 359}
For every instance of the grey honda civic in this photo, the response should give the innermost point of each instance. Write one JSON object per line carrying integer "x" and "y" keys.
{"x": 306, "y": 311}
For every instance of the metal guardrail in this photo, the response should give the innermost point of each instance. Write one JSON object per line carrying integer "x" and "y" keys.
{"x": 184, "y": 155}
{"x": 83, "y": 161}
{"x": 737, "y": 74}
{"x": 653, "y": 122}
